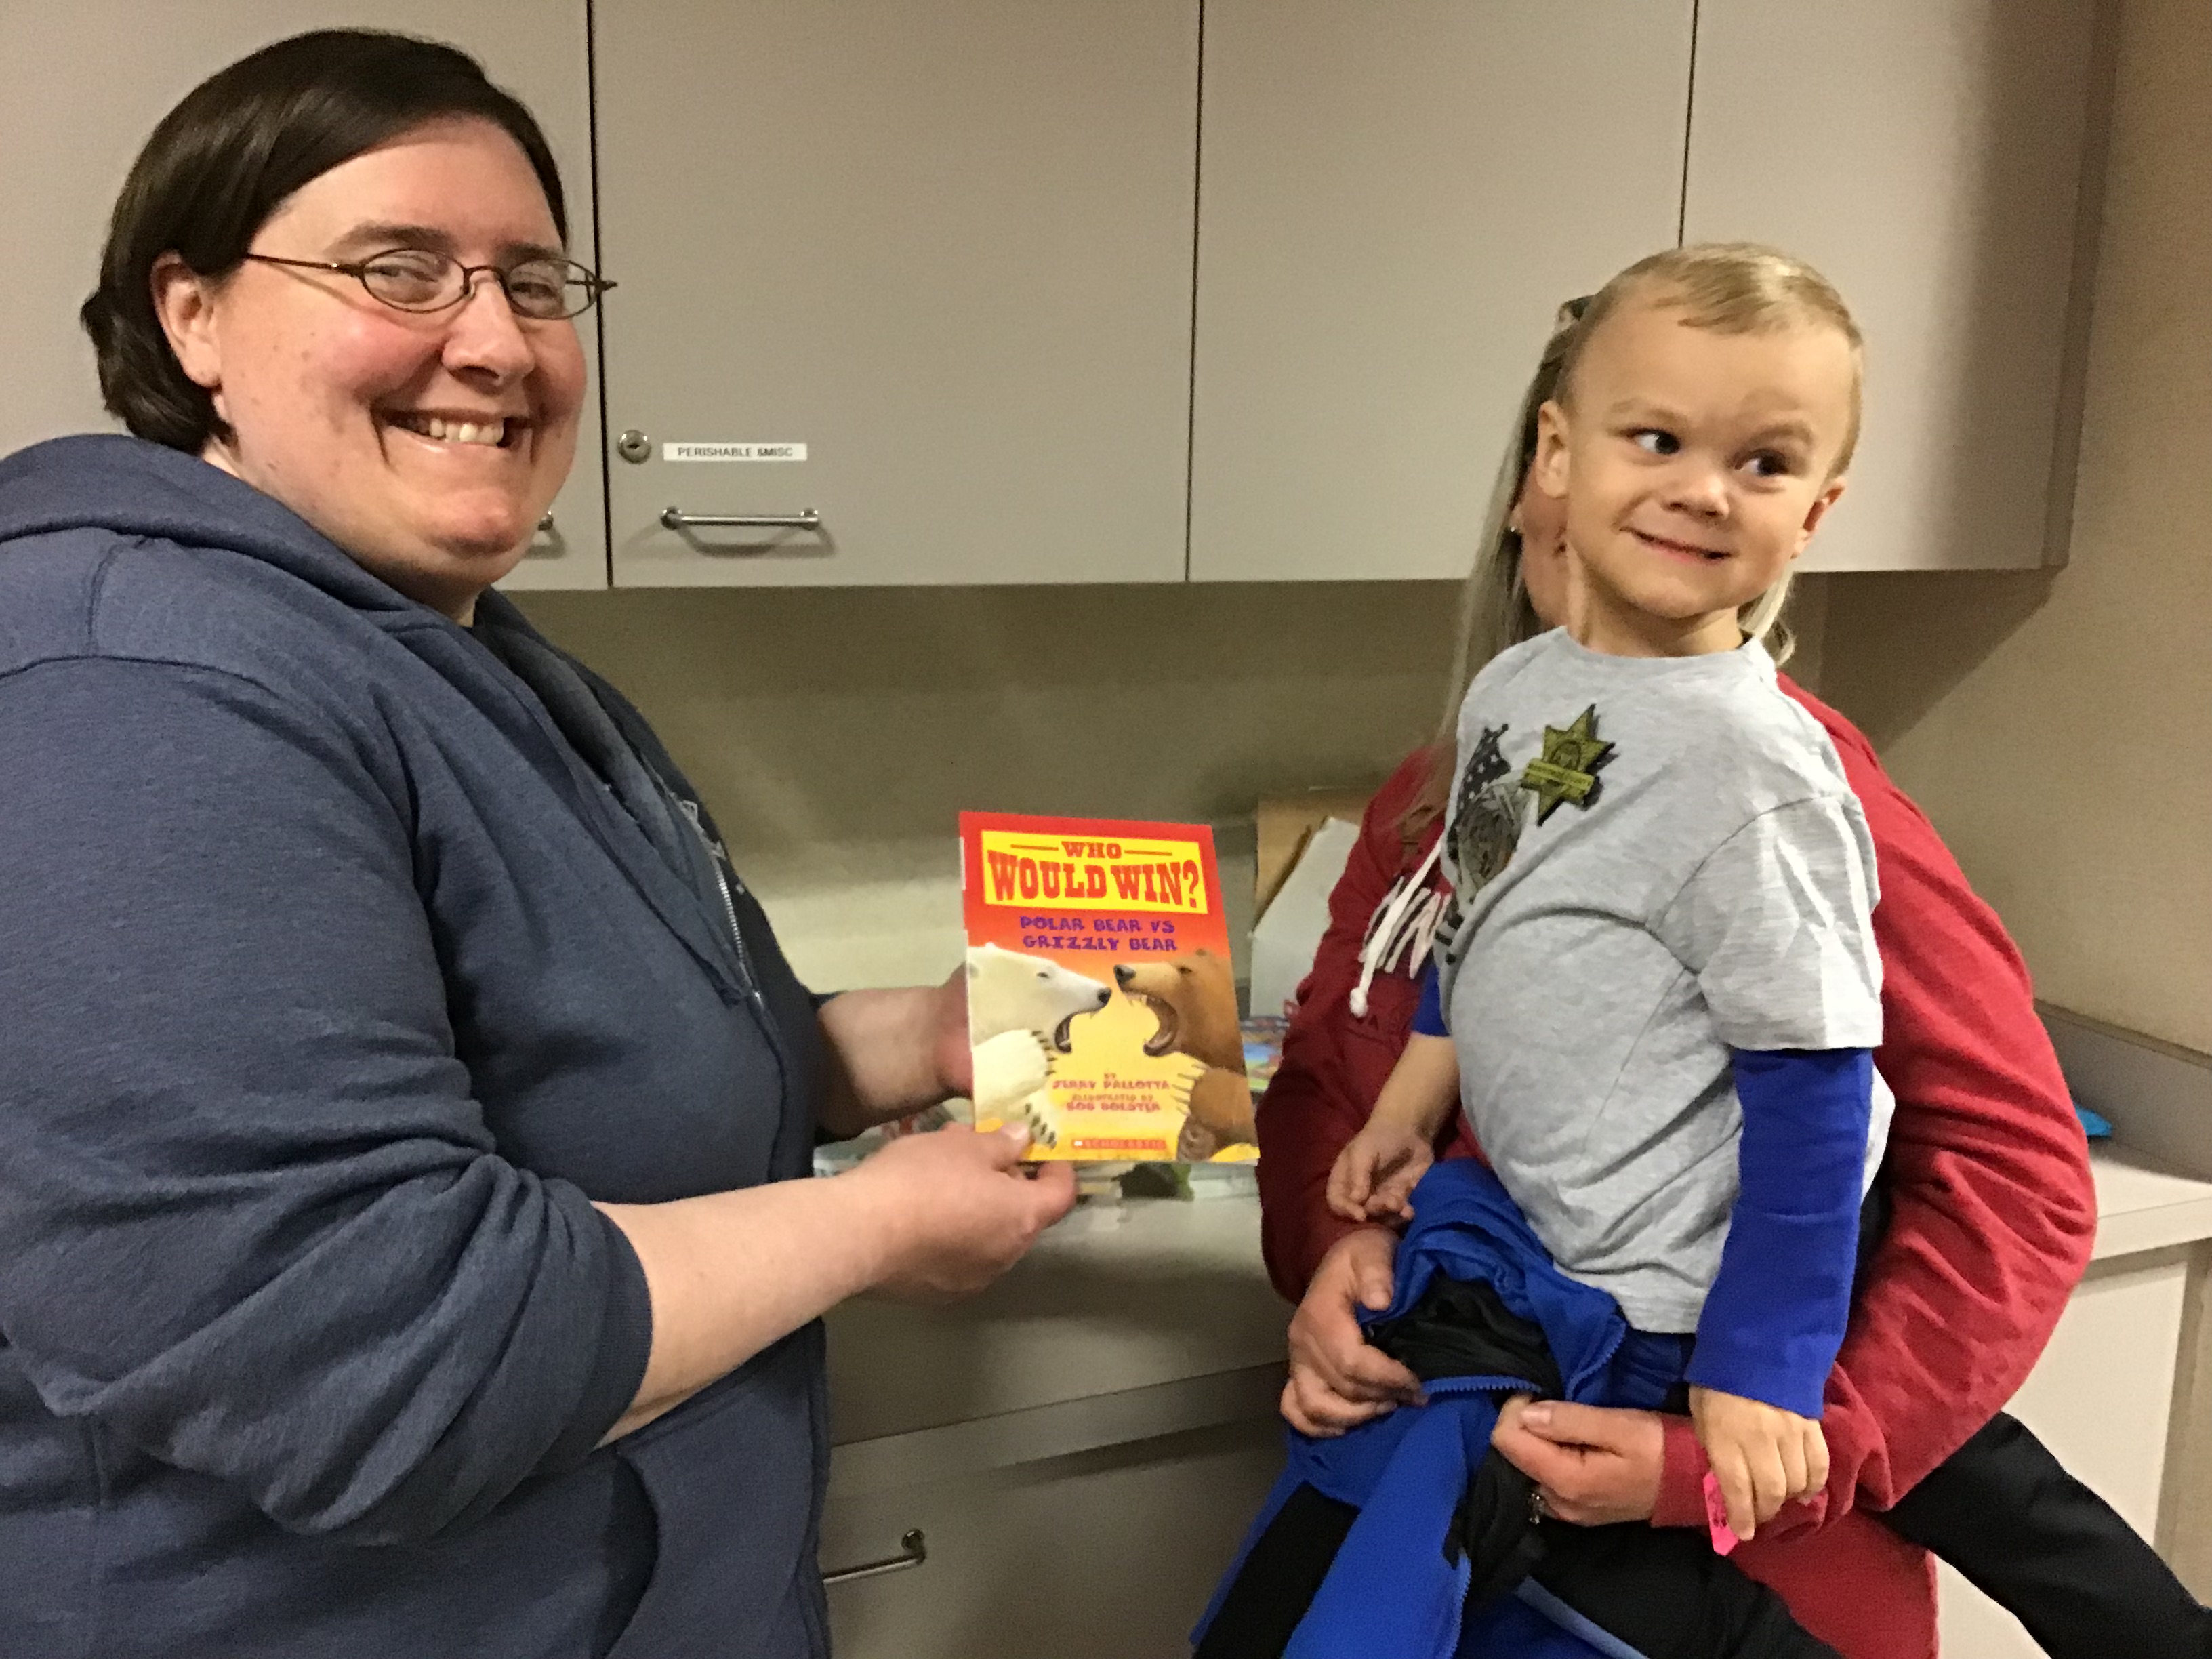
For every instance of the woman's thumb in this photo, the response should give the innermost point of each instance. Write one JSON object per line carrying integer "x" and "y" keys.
{"x": 1374, "y": 1286}
{"x": 1563, "y": 1423}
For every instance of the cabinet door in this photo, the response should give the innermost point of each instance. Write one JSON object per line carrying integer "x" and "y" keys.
{"x": 945, "y": 249}
{"x": 1109, "y": 1554}
{"x": 1926, "y": 155}
{"x": 1392, "y": 202}
{"x": 82, "y": 87}
{"x": 2099, "y": 1399}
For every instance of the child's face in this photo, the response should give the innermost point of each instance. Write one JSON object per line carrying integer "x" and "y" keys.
{"x": 1694, "y": 466}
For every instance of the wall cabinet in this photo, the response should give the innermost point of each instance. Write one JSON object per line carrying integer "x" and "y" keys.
{"x": 1392, "y": 202}
{"x": 1037, "y": 305}
{"x": 82, "y": 87}
{"x": 1927, "y": 156}
{"x": 945, "y": 249}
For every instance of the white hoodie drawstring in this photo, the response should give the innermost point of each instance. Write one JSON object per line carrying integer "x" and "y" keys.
{"x": 1409, "y": 911}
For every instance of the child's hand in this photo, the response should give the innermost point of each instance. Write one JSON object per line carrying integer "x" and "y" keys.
{"x": 1376, "y": 1173}
{"x": 1762, "y": 1456}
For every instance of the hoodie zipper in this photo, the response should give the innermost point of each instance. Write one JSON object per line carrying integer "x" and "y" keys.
{"x": 719, "y": 859}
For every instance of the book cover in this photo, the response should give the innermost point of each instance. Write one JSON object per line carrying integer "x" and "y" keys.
{"x": 1101, "y": 1006}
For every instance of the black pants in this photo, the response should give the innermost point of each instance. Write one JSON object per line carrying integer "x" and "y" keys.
{"x": 2038, "y": 1543}
{"x": 2050, "y": 1552}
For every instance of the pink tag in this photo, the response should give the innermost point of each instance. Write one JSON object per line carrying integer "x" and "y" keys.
{"x": 1716, "y": 1517}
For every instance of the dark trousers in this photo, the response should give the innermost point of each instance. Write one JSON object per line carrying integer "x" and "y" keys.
{"x": 2038, "y": 1543}
{"x": 2050, "y": 1552}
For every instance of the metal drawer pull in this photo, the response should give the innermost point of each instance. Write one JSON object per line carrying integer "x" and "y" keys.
{"x": 546, "y": 524}
{"x": 914, "y": 1550}
{"x": 676, "y": 518}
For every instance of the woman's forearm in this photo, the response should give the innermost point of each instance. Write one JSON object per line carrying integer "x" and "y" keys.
{"x": 889, "y": 1053}
{"x": 729, "y": 1274}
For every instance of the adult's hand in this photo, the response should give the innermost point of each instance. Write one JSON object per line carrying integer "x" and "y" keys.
{"x": 727, "y": 1274}
{"x": 893, "y": 1052}
{"x": 959, "y": 1207}
{"x": 1338, "y": 1380}
{"x": 950, "y": 1054}
{"x": 1593, "y": 1465}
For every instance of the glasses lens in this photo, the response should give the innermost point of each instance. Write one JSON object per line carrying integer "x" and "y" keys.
{"x": 539, "y": 289}
{"x": 413, "y": 279}
{"x": 549, "y": 289}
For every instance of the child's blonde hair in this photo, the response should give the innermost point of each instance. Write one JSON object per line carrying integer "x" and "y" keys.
{"x": 1728, "y": 288}
{"x": 1731, "y": 288}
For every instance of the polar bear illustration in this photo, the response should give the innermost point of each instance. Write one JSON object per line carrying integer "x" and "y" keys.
{"x": 1193, "y": 998}
{"x": 1010, "y": 992}
{"x": 1020, "y": 1012}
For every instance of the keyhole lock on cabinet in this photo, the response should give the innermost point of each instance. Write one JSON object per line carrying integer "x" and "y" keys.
{"x": 633, "y": 445}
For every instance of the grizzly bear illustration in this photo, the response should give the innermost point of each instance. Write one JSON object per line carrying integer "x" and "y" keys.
{"x": 1193, "y": 998}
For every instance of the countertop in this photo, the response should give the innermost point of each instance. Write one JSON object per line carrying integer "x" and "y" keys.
{"x": 1154, "y": 1316}
{"x": 2141, "y": 1206}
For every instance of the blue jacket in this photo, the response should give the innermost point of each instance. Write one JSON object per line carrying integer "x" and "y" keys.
{"x": 335, "y": 985}
{"x": 1391, "y": 1589}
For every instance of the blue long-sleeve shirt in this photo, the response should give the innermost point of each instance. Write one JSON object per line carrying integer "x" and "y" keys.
{"x": 1776, "y": 1312}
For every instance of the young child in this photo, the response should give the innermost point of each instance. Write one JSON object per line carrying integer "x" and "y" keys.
{"x": 1658, "y": 990}
{"x": 1659, "y": 978}
{"x": 1663, "y": 994}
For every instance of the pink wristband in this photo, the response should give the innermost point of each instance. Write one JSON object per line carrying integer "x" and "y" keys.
{"x": 1716, "y": 1517}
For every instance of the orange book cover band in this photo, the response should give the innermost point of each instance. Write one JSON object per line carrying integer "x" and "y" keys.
{"x": 1101, "y": 1006}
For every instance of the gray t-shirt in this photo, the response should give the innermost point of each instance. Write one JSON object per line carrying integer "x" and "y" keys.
{"x": 1653, "y": 861}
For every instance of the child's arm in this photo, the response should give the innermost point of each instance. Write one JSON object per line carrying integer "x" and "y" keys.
{"x": 1777, "y": 923}
{"x": 1776, "y": 1313}
{"x": 1376, "y": 1173}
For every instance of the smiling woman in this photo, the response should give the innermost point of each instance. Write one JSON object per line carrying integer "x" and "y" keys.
{"x": 293, "y": 352}
{"x": 407, "y": 1236}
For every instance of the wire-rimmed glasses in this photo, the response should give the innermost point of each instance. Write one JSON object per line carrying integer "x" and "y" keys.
{"x": 542, "y": 287}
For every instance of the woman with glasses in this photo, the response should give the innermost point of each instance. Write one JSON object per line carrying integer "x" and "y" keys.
{"x": 404, "y": 1244}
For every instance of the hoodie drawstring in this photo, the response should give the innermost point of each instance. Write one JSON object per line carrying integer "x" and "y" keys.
{"x": 1403, "y": 928}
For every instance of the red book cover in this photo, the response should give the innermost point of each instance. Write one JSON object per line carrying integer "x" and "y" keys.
{"x": 1101, "y": 1006}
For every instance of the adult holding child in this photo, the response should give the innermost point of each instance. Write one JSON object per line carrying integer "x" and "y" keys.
{"x": 405, "y": 1239}
{"x": 1986, "y": 1175}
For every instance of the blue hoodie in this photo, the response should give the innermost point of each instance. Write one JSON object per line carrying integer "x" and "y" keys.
{"x": 336, "y": 983}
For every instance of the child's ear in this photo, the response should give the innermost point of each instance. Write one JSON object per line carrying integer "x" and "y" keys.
{"x": 1827, "y": 499}
{"x": 1549, "y": 465}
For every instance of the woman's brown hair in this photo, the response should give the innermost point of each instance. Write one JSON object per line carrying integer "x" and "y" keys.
{"x": 1494, "y": 612}
{"x": 225, "y": 158}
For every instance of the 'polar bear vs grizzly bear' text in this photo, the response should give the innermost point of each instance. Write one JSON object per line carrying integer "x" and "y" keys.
{"x": 1021, "y": 1015}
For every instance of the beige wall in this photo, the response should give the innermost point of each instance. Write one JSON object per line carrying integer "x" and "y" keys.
{"x": 836, "y": 734}
{"x": 2057, "y": 726}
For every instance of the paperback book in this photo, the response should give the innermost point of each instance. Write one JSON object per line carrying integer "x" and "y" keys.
{"x": 1101, "y": 1006}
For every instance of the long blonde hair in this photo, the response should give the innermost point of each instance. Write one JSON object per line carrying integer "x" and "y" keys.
{"x": 1732, "y": 287}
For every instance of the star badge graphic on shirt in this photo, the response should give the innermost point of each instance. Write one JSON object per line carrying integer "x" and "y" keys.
{"x": 1568, "y": 768}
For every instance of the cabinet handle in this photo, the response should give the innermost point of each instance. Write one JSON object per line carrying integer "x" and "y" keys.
{"x": 546, "y": 524}
{"x": 675, "y": 518}
{"x": 914, "y": 1550}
